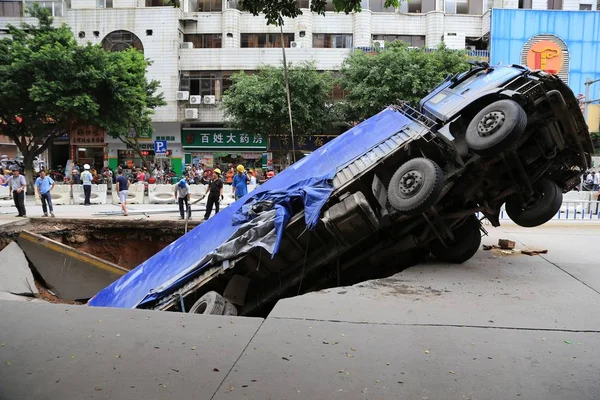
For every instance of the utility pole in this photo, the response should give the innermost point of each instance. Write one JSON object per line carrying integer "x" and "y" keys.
{"x": 287, "y": 89}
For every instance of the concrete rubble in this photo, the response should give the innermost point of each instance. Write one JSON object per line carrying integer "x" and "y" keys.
{"x": 15, "y": 276}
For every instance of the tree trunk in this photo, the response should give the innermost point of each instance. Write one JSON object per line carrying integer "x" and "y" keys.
{"x": 29, "y": 173}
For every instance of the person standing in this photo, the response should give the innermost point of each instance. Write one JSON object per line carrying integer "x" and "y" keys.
{"x": 240, "y": 182}
{"x": 597, "y": 180}
{"x": 215, "y": 193}
{"x": 182, "y": 194}
{"x": 43, "y": 185}
{"x": 229, "y": 175}
{"x": 86, "y": 179}
{"x": 18, "y": 186}
{"x": 122, "y": 190}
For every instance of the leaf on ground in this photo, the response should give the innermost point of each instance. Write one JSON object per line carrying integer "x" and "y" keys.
{"x": 193, "y": 347}
{"x": 452, "y": 372}
{"x": 285, "y": 358}
{"x": 8, "y": 363}
{"x": 118, "y": 356}
{"x": 349, "y": 355}
{"x": 567, "y": 341}
{"x": 352, "y": 348}
{"x": 2, "y": 344}
{"x": 216, "y": 369}
{"x": 426, "y": 351}
{"x": 73, "y": 356}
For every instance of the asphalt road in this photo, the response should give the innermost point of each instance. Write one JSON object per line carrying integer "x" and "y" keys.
{"x": 501, "y": 326}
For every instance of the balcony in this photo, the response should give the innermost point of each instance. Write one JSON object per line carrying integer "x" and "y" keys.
{"x": 233, "y": 59}
{"x": 483, "y": 55}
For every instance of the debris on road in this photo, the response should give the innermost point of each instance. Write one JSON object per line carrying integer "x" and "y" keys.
{"x": 531, "y": 252}
{"x": 506, "y": 244}
{"x": 15, "y": 276}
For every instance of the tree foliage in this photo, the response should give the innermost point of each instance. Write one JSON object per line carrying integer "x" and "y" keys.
{"x": 274, "y": 9}
{"x": 373, "y": 81}
{"x": 256, "y": 104}
{"x": 49, "y": 83}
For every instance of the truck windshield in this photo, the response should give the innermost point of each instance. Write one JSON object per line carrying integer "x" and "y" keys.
{"x": 468, "y": 80}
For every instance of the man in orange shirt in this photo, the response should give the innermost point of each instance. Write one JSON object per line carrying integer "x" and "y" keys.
{"x": 230, "y": 174}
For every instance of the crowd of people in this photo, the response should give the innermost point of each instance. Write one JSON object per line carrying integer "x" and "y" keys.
{"x": 238, "y": 177}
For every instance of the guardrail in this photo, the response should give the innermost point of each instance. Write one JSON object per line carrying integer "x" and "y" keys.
{"x": 470, "y": 53}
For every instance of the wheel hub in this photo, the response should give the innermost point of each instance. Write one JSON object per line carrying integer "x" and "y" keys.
{"x": 490, "y": 123}
{"x": 411, "y": 182}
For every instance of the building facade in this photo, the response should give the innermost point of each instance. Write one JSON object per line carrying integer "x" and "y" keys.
{"x": 196, "y": 47}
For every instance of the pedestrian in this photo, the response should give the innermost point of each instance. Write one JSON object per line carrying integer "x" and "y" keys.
{"x": 215, "y": 193}
{"x": 252, "y": 177}
{"x": 86, "y": 179}
{"x": 240, "y": 182}
{"x": 597, "y": 180}
{"x": 76, "y": 177}
{"x": 2, "y": 178}
{"x": 18, "y": 186}
{"x": 43, "y": 185}
{"x": 182, "y": 194}
{"x": 122, "y": 190}
{"x": 229, "y": 175}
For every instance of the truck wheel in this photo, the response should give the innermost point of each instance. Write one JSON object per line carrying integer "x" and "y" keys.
{"x": 496, "y": 127}
{"x": 467, "y": 239}
{"x": 416, "y": 186}
{"x": 211, "y": 303}
{"x": 540, "y": 209}
{"x": 229, "y": 309}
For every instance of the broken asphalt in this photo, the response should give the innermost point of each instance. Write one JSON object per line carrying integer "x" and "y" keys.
{"x": 499, "y": 326}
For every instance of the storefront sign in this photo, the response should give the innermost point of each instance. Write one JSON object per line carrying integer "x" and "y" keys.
{"x": 222, "y": 138}
{"x": 141, "y": 136}
{"x": 167, "y": 138}
{"x": 87, "y": 135}
{"x": 205, "y": 158}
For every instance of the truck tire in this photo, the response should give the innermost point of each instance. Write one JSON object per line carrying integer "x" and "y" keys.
{"x": 229, "y": 309}
{"x": 211, "y": 303}
{"x": 546, "y": 203}
{"x": 497, "y": 127}
{"x": 467, "y": 239}
{"x": 416, "y": 186}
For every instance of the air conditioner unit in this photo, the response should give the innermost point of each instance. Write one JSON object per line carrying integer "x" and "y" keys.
{"x": 379, "y": 44}
{"x": 182, "y": 95}
{"x": 295, "y": 45}
{"x": 191, "y": 113}
{"x": 187, "y": 45}
{"x": 470, "y": 48}
{"x": 209, "y": 99}
{"x": 195, "y": 99}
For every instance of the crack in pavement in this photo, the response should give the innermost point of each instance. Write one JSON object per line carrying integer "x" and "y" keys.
{"x": 237, "y": 359}
{"x": 559, "y": 267}
{"x": 440, "y": 325}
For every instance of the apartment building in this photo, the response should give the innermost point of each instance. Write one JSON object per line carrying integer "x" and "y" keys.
{"x": 196, "y": 45}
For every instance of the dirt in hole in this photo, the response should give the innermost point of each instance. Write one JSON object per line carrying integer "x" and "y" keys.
{"x": 125, "y": 243}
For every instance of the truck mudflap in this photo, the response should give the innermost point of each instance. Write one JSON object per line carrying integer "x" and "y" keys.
{"x": 306, "y": 184}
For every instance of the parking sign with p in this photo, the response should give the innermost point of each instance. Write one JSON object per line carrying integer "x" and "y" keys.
{"x": 160, "y": 147}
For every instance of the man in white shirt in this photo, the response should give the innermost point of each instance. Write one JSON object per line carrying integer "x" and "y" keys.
{"x": 597, "y": 180}
{"x": 86, "y": 179}
{"x": 18, "y": 187}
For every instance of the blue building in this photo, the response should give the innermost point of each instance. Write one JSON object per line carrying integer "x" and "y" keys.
{"x": 563, "y": 42}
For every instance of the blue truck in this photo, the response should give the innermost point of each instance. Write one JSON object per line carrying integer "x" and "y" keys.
{"x": 406, "y": 180}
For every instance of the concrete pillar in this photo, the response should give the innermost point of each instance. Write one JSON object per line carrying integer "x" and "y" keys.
{"x": 362, "y": 29}
{"x": 435, "y": 28}
{"x": 231, "y": 28}
{"x": 304, "y": 24}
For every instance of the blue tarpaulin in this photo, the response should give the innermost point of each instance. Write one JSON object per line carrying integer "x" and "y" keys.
{"x": 307, "y": 181}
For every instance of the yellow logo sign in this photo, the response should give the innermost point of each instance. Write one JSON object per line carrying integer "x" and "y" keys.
{"x": 545, "y": 55}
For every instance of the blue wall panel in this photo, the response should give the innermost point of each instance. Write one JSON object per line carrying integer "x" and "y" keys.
{"x": 580, "y": 30}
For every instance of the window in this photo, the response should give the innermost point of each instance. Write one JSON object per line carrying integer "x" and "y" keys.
{"x": 55, "y": 8}
{"x": 11, "y": 9}
{"x": 585, "y": 7}
{"x": 332, "y": 40}
{"x": 418, "y": 6}
{"x": 303, "y": 3}
{"x": 261, "y": 40}
{"x": 213, "y": 83}
{"x": 379, "y": 6}
{"x": 121, "y": 40}
{"x": 233, "y": 4}
{"x": 210, "y": 5}
{"x": 554, "y": 4}
{"x": 204, "y": 41}
{"x": 413, "y": 41}
{"x": 525, "y": 4}
{"x": 473, "y": 7}
{"x": 337, "y": 93}
{"x": 329, "y": 6}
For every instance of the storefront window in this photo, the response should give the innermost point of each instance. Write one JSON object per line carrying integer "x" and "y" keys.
{"x": 329, "y": 40}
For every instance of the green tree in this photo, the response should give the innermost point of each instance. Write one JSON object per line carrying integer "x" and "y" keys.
{"x": 49, "y": 83}
{"x": 256, "y": 104}
{"x": 273, "y": 10}
{"x": 373, "y": 81}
